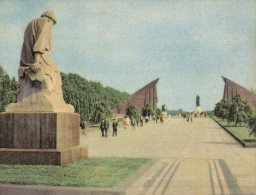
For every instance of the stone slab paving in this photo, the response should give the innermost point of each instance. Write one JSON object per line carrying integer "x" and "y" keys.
{"x": 196, "y": 158}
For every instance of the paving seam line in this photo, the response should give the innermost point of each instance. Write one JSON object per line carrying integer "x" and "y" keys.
{"x": 215, "y": 180}
{"x": 154, "y": 175}
{"x": 170, "y": 178}
{"x": 132, "y": 179}
{"x": 144, "y": 181}
{"x": 159, "y": 180}
{"x": 211, "y": 179}
{"x": 222, "y": 178}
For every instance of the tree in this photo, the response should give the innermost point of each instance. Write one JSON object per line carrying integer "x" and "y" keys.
{"x": 133, "y": 112}
{"x": 221, "y": 109}
{"x": 252, "y": 125}
{"x": 239, "y": 111}
{"x": 8, "y": 89}
{"x": 158, "y": 112}
{"x": 101, "y": 111}
{"x": 163, "y": 108}
{"x": 84, "y": 95}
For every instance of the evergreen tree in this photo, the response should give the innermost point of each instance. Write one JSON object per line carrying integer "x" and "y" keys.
{"x": 158, "y": 112}
{"x": 163, "y": 108}
{"x": 239, "y": 111}
{"x": 101, "y": 111}
{"x": 133, "y": 112}
{"x": 252, "y": 125}
{"x": 222, "y": 109}
{"x": 88, "y": 96}
{"x": 8, "y": 89}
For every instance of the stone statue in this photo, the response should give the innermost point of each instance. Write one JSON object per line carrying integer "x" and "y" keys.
{"x": 197, "y": 100}
{"x": 40, "y": 84}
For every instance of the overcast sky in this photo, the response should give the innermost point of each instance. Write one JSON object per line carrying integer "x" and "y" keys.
{"x": 126, "y": 44}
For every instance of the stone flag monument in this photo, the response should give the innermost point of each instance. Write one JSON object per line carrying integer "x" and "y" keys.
{"x": 40, "y": 128}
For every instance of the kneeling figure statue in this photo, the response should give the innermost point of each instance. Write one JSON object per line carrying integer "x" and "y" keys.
{"x": 40, "y": 84}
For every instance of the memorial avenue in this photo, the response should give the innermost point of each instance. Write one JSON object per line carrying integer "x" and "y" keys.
{"x": 190, "y": 158}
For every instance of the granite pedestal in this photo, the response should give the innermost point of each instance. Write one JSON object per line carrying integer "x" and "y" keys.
{"x": 40, "y": 138}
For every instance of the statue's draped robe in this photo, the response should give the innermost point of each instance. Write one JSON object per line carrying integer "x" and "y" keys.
{"x": 37, "y": 39}
{"x": 40, "y": 90}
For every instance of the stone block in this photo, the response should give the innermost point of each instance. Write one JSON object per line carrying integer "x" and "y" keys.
{"x": 40, "y": 138}
{"x": 42, "y": 156}
{"x": 39, "y": 130}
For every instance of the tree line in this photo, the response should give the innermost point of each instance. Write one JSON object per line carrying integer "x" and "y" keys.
{"x": 91, "y": 100}
{"x": 237, "y": 112}
{"x": 8, "y": 89}
{"x": 88, "y": 98}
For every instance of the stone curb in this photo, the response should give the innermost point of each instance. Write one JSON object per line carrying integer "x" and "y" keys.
{"x": 246, "y": 145}
{"x": 10, "y": 189}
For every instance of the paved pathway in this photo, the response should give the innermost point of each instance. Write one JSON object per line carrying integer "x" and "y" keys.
{"x": 196, "y": 158}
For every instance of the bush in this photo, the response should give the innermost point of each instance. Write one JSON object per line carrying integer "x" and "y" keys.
{"x": 252, "y": 126}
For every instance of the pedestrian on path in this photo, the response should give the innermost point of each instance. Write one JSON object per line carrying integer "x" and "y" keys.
{"x": 133, "y": 123}
{"x": 106, "y": 127}
{"x": 141, "y": 121}
{"x": 188, "y": 117}
{"x": 126, "y": 122}
{"x": 102, "y": 128}
{"x": 146, "y": 119}
{"x": 114, "y": 126}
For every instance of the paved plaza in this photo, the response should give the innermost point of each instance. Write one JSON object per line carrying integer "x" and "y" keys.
{"x": 196, "y": 158}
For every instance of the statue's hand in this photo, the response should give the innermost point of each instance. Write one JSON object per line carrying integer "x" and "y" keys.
{"x": 35, "y": 67}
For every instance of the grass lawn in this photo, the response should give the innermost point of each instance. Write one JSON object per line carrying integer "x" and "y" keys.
{"x": 93, "y": 172}
{"x": 241, "y": 132}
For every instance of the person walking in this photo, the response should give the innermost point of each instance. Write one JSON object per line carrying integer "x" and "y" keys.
{"x": 146, "y": 119}
{"x": 106, "y": 126}
{"x": 115, "y": 126}
{"x": 188, "y": 117}
{"x": 133, "y": 123}
{"x": 126, "y": 122}
{"x": 141, "y": 121}
{"x": 102, "y": 128}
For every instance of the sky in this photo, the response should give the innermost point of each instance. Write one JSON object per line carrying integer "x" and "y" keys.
{"x": 187, "y": 44}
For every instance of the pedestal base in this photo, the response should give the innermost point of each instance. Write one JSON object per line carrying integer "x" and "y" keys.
{"x": 40, "y": 138}
{"x": 42, "y": 156}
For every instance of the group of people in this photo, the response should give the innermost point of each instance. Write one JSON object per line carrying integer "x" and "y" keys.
{"x": 127, "y": 121}
{"x": 189, "y": 118}
{"x": 161, "y": 118}
{"x": 134, "y": 122}
{"x": 104, "y": 127}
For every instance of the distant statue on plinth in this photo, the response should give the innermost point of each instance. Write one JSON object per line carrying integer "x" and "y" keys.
{"x": 40, "y": 84}
{"x": 197, "y": 100}
{"x": 198, "y": 108}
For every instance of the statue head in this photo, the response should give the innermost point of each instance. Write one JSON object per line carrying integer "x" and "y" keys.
{"x": 51, "y": 15}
